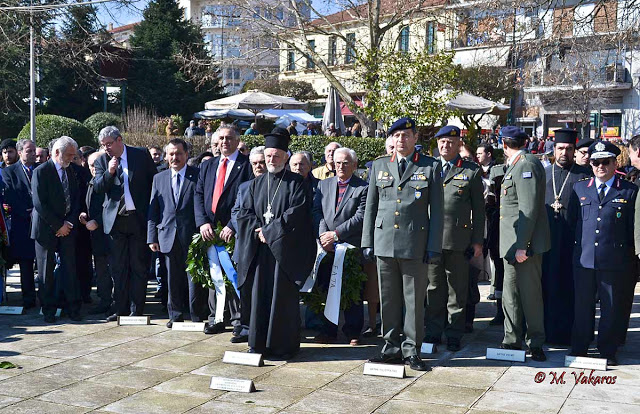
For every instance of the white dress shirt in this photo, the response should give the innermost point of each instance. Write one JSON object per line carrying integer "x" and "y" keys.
{"x": 231, "y": 160}
{"x": 174, "y": 180}
{"x": 128, "y": 200}
{"x": 608, "y": 183}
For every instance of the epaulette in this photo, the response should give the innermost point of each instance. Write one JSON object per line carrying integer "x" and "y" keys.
{"x": 584, "y": 179}
{"x": 382, "y": 156}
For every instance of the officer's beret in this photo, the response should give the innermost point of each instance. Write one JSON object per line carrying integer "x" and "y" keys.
{"x": 400, "y": 124}
{"x": 603, "y": 149}
{"x": 585, "y": 142}
{"x": 565, "y": 136}
{"x": 448, "y": 131}
{"x": 512, "y": 132}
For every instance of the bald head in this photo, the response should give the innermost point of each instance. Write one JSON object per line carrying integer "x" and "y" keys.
{"x": 91, "y": 160}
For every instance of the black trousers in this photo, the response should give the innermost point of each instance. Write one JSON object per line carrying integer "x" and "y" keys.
{"x": 84, "y": 268}
{"x": 27, "y": 283}
{"x": 129, "y": 260}
{"x": 177, "y": 281}
{"x": 46, "y": 260}
{"x": 104, "y": 282}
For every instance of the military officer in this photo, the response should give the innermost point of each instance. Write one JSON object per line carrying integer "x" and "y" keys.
{"x": 524, "y": 237}
{"x": 464, "y": 217}
{"x": 602, "y": 211}
{"x": 402, "y": 227}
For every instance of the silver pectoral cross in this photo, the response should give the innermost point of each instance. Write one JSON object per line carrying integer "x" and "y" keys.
{"x": 556, "y": 206}
{"x": 268, "y": 215}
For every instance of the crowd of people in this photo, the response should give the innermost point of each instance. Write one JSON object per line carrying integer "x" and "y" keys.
{"x": 559, "y": 237}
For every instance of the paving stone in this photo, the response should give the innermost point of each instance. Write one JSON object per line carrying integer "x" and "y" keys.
{"x": 368, "y": 385}
{"x": 429, "y": 392}
{"x": 41, "y": 407}
{"x": 525, "y": 383}
{"x": 88, "y": 394}
{"x": 78, "y": 369}
{"x": 175, "y": 362}
{"x": 31, "y": 384}
{"x": 203, "y": 348}
{"x": 6, "y": 400}
{"x": 572, "y": 406}
{"x": 220, "y": 369}
{"x": 267, "y": 395}
{"x": 222, "y": 407}
{"x": 189, "y": 384}
{"x": 135, "y": 377}
{"x": 607, "y": 392}
{"x": 328, "y": 366}
{"x": 67, "y": 350}
{"x": 294, "y": 377}
{"x": 27, "y": 363}
{"x": 172, "y": 335}
{"x": 462, "y": 377}
{"x": 514, "y": 402}
{"x": 128, "y": 353}
{"x": 154, "y": 402}
{"x": 331, "y": 402}
{"x": 412, "y": 407}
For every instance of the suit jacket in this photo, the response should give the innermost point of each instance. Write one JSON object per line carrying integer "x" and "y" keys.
{"x": 404, "y": 215}
{"x": 240, "y": 173}
{"x": 17, "y": 195}
{"x": 141, "y": 172}
{"x": 346, "y": 220}
{"x": 523, "y": 216}
{"x": 168, "y": 220}
{"x": 49, "y": 204}
{"x": 94, "y": 202}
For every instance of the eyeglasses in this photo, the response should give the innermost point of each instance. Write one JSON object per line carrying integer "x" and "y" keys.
{"x": 597, "y": 163}
{"x": 585, "y": 152}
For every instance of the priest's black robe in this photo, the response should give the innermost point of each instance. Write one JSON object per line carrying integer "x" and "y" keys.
{"x": 275, "y": 267}
{"x": 557, "y": 263}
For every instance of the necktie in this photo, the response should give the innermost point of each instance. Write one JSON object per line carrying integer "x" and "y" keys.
{"x": 122, "y": 207}
{"x": 67, "y": 194}
{"x": 217, "y": 191}
{"x": 342, "y": 188}
{"x": 445, "y": 169}
{"x": 403, "y": 166}
{"x": 176, "y": 191}
{"x": 601, "y": 189}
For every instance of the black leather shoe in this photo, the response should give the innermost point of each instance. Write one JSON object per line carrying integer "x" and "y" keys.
{"x": 50, "y": 318}
{"x": 239, "y": 339}
{"x": 252, "y": 351}
{"x": 170, "y": 324}
{"x": 453, "y": 345}
{"x": 578, "y": 354}
{"x": 537, "y": 354}
{"x": 386, "y": 359}
{"x": 509, "y": 346}
{"x": 491, "y": 297}
{"x": 214, "y": 329}
{"x": 236, "y": 330}
{"x": 611, "y": 360}
{"x": 28, "y": 305}
{"x": 112, "y": 318}
{"x": 431, "y": 340}
{"x": 416, "y": 363}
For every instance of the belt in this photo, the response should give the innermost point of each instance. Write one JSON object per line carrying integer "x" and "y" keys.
{"x": 126, "y": 213}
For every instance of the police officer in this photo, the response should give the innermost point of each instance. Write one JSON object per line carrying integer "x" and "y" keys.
{"x": 464, "y": 217}
{"x": 524, "y": 237}
{"x": 602, "y": 210}
{"x": 582, "y": 151}
{"x": 402, "y": 226}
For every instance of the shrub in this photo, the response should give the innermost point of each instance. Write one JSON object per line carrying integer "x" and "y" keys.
{"x": 50, "y": 127}
{"x": 100, "y": 120}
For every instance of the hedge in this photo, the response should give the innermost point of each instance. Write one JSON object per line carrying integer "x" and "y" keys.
{"x": 99, "y": 120}
{"x": 50, "y": 127}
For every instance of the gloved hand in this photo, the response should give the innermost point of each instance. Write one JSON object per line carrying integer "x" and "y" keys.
{"x": 367, "y": 252}
{"x": 432, "y": 258}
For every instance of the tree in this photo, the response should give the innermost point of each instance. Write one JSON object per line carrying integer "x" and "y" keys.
{"x": 171, "y": 69}
{"x": 299, "y": 90}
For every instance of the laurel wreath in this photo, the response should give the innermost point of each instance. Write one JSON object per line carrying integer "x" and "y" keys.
{"x": 352, "y": 280}
{"x": 198, "y": 262}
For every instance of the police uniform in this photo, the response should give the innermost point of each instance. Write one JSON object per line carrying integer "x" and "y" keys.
{"x": 523, "y": 226}
{"x": 603, "y": 256}
{"x": 464, "y": 217}
{"x": 403, "y": 224}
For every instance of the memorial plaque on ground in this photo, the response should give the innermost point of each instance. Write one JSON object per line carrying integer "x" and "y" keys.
{"x": 188, "y": 326}
{"x": 11, "y": 310}
{"x": 134, "y": 320}
{"x": 232, "y": 384}
{"x": 243, "y": 358}
{"x": 384, "y": 370}
{"x": 428, "y": 348}
{"x": 599, "y": 364}
{"x": 506, "y": 354}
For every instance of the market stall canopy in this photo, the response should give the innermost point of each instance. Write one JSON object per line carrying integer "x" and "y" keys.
{"x": 286, "y": 116}
{"x": 333, "y": 113}
{"x": 243, "y": 114}
{"x": 470, "y": 104}
{"x": 255, "y": 101}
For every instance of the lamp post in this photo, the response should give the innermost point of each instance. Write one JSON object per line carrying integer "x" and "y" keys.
{"x": 32, "y": 79}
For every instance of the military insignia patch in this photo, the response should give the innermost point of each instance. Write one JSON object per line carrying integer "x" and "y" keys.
{"x": 600, "y": 146}
{"x": 527, "y": 174}
{"x": 461, "y": 177}
{"x": 418, "y": 177}
{"x": 418, "y": 195}
{"x": 618, "y": 214}
{"x": 619, "y": 200}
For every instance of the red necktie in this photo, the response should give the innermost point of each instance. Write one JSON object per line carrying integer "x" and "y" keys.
{"x": 217, "y": 191}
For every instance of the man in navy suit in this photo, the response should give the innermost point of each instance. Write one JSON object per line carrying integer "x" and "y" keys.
{"x": 170, "y": 228}
{"x": 17, "y": 195}
{"x": 56, "y": 210}
{"x": 338, "y": 214}
{"x": 214, "y": 198}
{"x": 602, "y": 211}
{"x": 124, "y": 175}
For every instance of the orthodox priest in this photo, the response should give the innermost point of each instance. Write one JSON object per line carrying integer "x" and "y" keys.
{"x": 557, "y": 265}
{"x": 277, "y": 248}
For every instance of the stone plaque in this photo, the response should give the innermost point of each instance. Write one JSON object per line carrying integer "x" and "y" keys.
{"x": 599, "y": 364}
{"x": 384, "y": 370}
{"x": 428, "y": 348}
{"x": 134, "y": 320}
{"x": 232, "y": 384}
{"x": 243, "y": 358}
{"x": 11, "y": 310}
{"x": 188, "y": 326}
{"x": 512, "y": 355}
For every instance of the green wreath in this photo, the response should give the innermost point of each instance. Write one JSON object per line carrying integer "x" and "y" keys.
{"x": 352, "y": 279}
{"x": 198, "y": 262}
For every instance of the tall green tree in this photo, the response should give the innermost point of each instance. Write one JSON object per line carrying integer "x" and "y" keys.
{"x": 171, "y": 69}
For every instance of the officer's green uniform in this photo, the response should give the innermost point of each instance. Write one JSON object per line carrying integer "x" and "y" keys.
{"x": 523, "y": 225}
{"x": 403, "y": 221}
{"x": 464, "y": 221}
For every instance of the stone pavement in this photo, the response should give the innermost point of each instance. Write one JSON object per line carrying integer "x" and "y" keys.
{"x": 100, "y": 367}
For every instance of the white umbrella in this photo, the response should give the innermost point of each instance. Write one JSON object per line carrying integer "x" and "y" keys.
{"x": 470, "y": 104}
{"x": 332, "y": 113}
{"x": 255, "y": 101}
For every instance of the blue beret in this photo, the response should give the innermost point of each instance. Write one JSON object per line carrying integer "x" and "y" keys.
{"x": 603, "y": 149}
{"x": 400, "y": 124}
{"x": 512, "y": 132}
{"x": 584, "y": 142}
{"x": 448, "y": 131}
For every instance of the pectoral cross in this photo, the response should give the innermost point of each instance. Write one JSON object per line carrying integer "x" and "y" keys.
{"x": 556, "y": 206}
{"x": 268, "y": 215}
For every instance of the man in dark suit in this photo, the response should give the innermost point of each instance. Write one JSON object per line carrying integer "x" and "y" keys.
{"x": 170, "y": 228}
{"x": 17, "y": 195}
{"x": 215, "y": 195}
{"x": 338, "y": 213}
{"x": 56, "y": 211}
{"x": 124, "y": 175}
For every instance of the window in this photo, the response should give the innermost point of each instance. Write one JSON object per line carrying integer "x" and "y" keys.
{"x": 280, "y": 14}
{"x": 233, "y": 74}
{"x": 403, "y": 40}
{"x": 350, "y": 49}
{"x": 310, "y": 63}
{"x": 291, "y": 60}
{"x": 430, "y": 38}
{"x": 220, "y": 16}
{"x": 333, "y": 50}
{"x": 606, "y": 17}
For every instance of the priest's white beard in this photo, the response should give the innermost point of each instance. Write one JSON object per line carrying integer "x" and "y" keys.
{"x": 275, "y": 170}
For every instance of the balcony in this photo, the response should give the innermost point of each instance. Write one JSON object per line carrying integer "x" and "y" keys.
{"x": 610, "y": 78}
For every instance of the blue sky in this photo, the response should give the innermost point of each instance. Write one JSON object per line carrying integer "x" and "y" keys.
{"x": 120, "y": 16}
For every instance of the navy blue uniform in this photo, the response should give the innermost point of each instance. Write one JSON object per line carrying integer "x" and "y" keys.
{"x": 603, "y": 258}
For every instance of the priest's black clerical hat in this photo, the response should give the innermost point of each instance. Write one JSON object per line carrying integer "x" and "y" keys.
{"x": 278, "y": 138}
{"x": 565, "y": 136}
